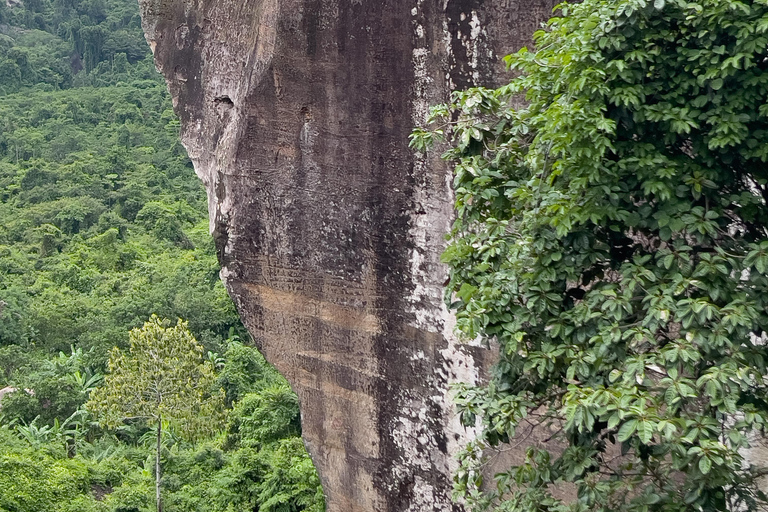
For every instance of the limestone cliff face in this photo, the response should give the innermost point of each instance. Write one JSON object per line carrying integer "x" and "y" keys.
{"x": 296, "y": 114}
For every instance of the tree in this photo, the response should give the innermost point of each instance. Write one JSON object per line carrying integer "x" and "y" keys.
{"x": 612, "y": 238}
{"x": 163, "y": 377}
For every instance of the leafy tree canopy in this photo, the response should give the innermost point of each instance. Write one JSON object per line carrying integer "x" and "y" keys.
{"x": 611, "y": 237}
{"x": 162, "y": 376}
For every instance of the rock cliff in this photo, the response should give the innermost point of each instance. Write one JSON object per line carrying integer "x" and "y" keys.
{"x": 296, "y": 114}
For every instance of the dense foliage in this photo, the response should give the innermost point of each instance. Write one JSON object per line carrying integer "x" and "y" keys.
{"x": 46, "y": 44}
{"x": 611, "y": 237}
{"x": 256, "y": 462}
{"x": 102, "y": 221}
{"x": 103, "y": 224}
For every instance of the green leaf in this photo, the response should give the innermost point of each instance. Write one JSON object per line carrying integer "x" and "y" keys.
{"x": 645, "y": 431}
{"x": 705, "y": 464}
{"x": 627, "y": 430}
{"x": 466, "y": 291}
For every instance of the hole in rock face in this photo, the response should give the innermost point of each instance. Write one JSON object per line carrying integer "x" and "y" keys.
{"x": 224, "y": 101}
{"x": 223, "y": 105}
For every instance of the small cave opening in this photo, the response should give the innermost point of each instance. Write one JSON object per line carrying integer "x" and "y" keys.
{"x": 223, "y": 105}
{"x": 225, "y": 101}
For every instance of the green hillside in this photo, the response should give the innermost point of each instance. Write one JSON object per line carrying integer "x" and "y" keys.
{"x": 103, "y": 224}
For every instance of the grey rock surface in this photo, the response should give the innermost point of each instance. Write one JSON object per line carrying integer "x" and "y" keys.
{"x": 296, "y": 115}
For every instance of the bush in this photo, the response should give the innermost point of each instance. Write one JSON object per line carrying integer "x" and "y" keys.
{"x": 611, "y": 236}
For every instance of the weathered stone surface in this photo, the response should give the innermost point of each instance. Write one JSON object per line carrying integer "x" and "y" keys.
{"x": 296, "y": 114}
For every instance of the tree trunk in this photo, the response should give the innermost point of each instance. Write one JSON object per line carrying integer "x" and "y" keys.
{"x": 157, "y": 466}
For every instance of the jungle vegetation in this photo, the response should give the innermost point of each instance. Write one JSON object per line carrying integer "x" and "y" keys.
{"x": 102, "y": 225}
{"x": 612, "y": 238}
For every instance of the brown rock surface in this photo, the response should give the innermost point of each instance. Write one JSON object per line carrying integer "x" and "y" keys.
{"x": 296, "y": 114}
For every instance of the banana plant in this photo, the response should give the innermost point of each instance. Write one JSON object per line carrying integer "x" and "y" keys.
{"x": 169, "y": 438}
{"x": 216, "y": 360}
{"x": 35, "y": 435}
{"x": 70, "y": 432}
{"x": 87, "y": 380}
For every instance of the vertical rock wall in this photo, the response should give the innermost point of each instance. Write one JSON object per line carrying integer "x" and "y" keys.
{"x": 296, "y": 114}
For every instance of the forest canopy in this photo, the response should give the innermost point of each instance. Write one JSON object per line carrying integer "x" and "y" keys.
{"x": 103, "y": 224}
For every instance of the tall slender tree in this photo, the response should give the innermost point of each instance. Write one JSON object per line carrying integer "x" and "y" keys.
{"x": 162, "y": 378}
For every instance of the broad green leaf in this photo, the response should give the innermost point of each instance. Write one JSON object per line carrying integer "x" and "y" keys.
{"x": 705, "y": 464}
{"x": 627, "y": 430}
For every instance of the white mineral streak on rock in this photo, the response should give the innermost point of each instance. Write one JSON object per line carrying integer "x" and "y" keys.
{"x": 431, "y": 218}
{"x": 447, "y": 37}
{"x": 472, "y": 43}
{"x": 424, "y": 496}
{"x": 474, "y": 37}
{"x": 415, "y": 436}
{"x": 412, "y": 434}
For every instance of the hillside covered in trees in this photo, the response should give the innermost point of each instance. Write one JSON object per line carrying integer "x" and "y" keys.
{"x": 103, "y": 224}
